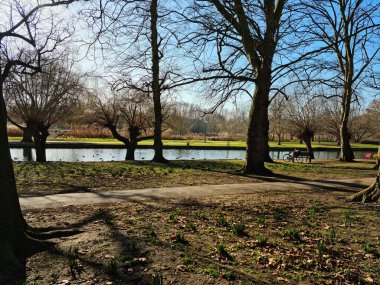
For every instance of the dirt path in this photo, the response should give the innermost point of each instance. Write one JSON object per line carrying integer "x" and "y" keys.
{"x": 87, "y": 198}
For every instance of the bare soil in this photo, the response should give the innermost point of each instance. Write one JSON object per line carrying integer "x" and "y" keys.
{"x": 282, "y": 237}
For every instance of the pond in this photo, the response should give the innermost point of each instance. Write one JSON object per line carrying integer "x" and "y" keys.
{"x": 117, "y": 154}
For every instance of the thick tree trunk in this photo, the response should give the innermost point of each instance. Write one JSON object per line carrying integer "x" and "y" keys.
{"x": 12, "y": 223}
{"x": 370, "y": 194}
{"x": 309, "y": 147}
{"x": 27, "y": 132}
{"x": 134, "y": 132}
{"x": 158, "y": 145}
{"x": 346, "y": 153}
{"x": 267, "y": 155}
{"x": 27, "y": 135}
{"x": 39, "y": 138}
{"x": 257, "y": 151}
{"x": 130, "y": 152}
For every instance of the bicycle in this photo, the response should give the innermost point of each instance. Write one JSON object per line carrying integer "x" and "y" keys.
{"x": 289, "y": 157}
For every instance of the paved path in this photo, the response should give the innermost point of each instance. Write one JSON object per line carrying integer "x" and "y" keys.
{"x": 85, "y": 198}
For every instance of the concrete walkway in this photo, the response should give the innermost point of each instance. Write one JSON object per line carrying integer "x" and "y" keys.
{"x": 85, "y": 198}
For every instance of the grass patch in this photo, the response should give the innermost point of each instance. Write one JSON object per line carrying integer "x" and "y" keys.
{"x": 64, "y": 177}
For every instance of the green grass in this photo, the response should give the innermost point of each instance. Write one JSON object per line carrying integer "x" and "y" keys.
{"x": 208, "y": 143}
{"x": 60, "y": 177}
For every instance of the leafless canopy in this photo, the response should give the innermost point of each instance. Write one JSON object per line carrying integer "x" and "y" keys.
{"x": 44, "y": 98}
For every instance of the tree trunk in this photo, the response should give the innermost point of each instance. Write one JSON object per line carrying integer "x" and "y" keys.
{"x": 257, "y": 150}
{"x": 307, "y": 141}
{"x": 267, "y": 155}
{"x": 39, "y": 137}
{"x": 27, "y": 134}
{"x": 346, "y": 153}
{"x": 130, "y": 152}
{"x": 134, "y": 132}
{"x": 267, "y": 150}
{"x": 370, "y": 194}
{"x": 12, "y": 223}
{"x": 156, "y": 89}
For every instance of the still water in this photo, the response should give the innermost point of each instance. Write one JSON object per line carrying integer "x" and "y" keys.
{"x": 96, "y": 154}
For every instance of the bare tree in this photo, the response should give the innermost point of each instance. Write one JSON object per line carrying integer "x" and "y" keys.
{"x": 253, "y": 44}
{"x": 369, "y": 122}
{"x": 303, "y": 117}
{"x": 18, "y": 33}
{"x": 138, "y": 34}
{"x": 40, "y": 100}
{"x": 277, "y": 118}
{"x": 124, "y": 111}
{"x": 351, "y": 30}
{"x": 362, "y": 127}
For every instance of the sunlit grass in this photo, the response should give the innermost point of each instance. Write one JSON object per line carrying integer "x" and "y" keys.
{"x": 208, "y": 143}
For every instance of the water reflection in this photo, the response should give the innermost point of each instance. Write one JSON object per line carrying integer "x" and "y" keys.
{"x": 94, "y": 154}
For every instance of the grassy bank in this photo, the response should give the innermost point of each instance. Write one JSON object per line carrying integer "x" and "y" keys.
{"x": 208, "y": 143}
{"x": 61, "y": 177}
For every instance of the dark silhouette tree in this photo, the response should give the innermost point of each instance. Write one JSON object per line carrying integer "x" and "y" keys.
{"x": 18, "y": 33}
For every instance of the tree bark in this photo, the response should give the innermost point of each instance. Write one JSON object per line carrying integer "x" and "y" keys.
{"x": 267, "y": 150}
{"x": 346, "y": 153}
{"x": 257, "y": 151}
{"x": 134, "y": 133}
{"x": 130, "y": 152}
{"x": 12, "y": 224}
{"x": 156, "y": 89}
{"x": 27, "y": 135}
{"x": 370, "y": 194}
{"x": 27, "y": 132}
{"x": 39, "y": 138}
{"x": 307, "y": 141}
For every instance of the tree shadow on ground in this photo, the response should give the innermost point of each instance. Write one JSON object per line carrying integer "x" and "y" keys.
{"x": 127, "y": 268}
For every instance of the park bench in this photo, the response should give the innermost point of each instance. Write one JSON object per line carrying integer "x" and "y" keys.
{"x": 299, "y": 156}
{"x": 305, "y": 155}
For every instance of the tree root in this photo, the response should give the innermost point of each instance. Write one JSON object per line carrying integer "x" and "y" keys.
{"x": 370, "y": 194}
